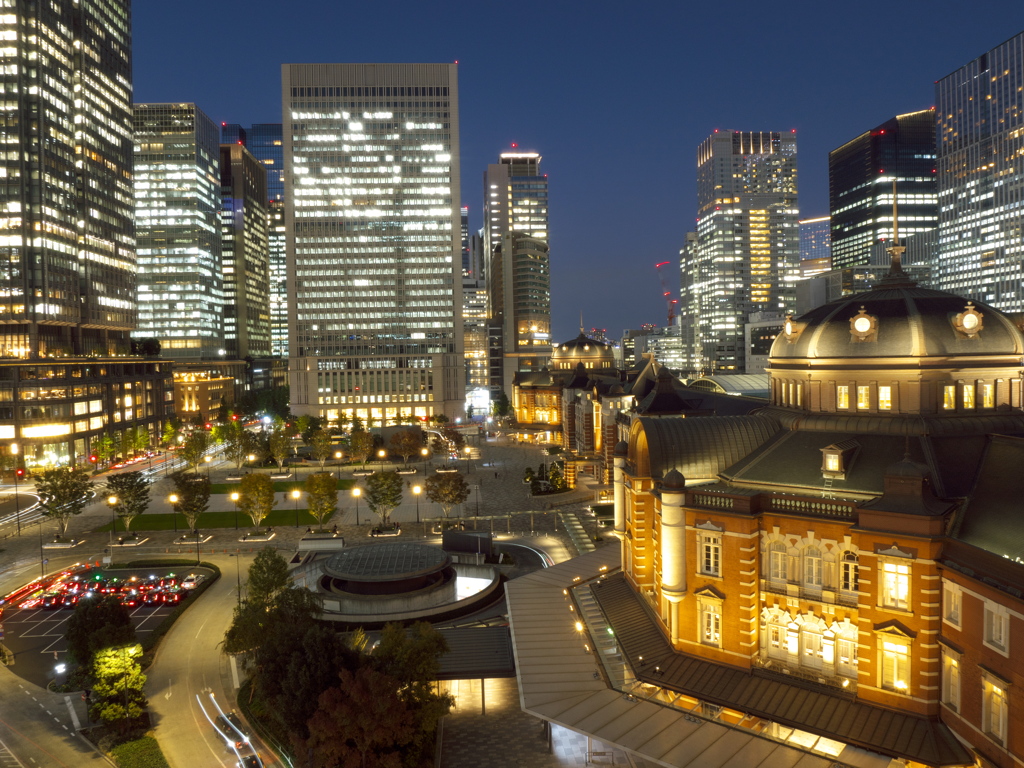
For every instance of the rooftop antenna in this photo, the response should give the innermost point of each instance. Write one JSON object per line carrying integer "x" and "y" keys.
{"x": 581, "y": 322}
{"x": 896, "y": 275}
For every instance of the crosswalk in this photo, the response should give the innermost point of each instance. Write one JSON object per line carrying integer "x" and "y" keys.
{"x": 7, "y": 758}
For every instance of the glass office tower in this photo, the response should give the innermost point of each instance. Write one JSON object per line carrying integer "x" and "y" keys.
{"x": 374, "y": 243}
{"x": 980, "y": 131}
{"x": 177, "y": 210}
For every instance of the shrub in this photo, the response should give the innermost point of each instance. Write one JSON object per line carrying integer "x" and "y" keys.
{"x": 140, "y": 753}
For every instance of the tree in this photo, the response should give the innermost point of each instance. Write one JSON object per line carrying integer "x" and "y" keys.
{"x": 361, "y": 446}
{"x": 383, "y": 494}
{"x": 172, "y": 428}
{"x": 257, "y": 498}
{"x": 268, "y": 576}
{"x": 193, "y": 496}
{"x": 238, "y": 442}
{"x": 501, "y": 408}
{"x": 131, "y": 489}
{"x": 406, "y": 443}
{"x": 279, "y": 445}
{"x": 555, "y": 477}
{"x": 321, "y": 444}
{"x": 104, "y": 448}
{"x": 447, "y": 490}
{"x": 118, "y": 687}
{"x": 142, "y": 440}
{"x": 63, "y": 493}
{"x": 195, "y": 447}
{"x": 97, "y": 623}
{"x": 528, "y": 475}
{"x": 413, "y": 657}
{"x": 322, "y": 495}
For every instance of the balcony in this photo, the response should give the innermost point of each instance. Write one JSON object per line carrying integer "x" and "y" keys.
{"x": 819, "y": 679}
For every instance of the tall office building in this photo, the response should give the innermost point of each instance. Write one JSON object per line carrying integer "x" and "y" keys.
{"x": 177, "y": 211}
{"x": 518, "y": 271}
{"x": 68, "y": 242}
{"x": 980, "y": 127}
{"x": 746, "y": 252}
{"x": 860, "y": 179}
{"x": 374, "y": 255}
{"x": 244, "y": 253}
{"x": 266, "y": 142}
{"x": 815, "y": 246}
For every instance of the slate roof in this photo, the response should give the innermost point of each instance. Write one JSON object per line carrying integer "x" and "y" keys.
{"x": 764, "y": 695}
{"x": 747, "y": 383}
{"x": 702, "y": 447}
{"x": 993, "y": 518}
{"x": 477, "y": 652}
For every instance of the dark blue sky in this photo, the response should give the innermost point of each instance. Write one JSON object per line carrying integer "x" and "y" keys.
{"x": 615, "y": 96}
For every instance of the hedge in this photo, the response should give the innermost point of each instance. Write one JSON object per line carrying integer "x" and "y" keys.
{"x": 140, "y": 753}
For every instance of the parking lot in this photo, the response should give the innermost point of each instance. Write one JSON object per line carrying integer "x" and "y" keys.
{"x": 35, "y": 633}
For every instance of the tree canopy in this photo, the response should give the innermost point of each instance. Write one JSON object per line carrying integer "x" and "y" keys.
{"x": 193, "y": 492}
{"x": 406, "y": 443}
{"x": 63, "y": 493}
{"x": 98, "y": 622}
{"x": 322, "y": 495}
{"x": 447, "y": 490}
{"x": 194, "y": 448}
{"x": 131, "y": 489}
{"x": 383, "y": 493}
{"x": 257, "y": 497}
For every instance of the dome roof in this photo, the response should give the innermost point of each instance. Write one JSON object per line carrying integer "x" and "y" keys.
{"x": 901, "y": 320}
{"x": 582, "y": 347}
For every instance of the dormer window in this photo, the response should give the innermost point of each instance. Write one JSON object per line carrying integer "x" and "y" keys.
{"x": 837, "y": 459}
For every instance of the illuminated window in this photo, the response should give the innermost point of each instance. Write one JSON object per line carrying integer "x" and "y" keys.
{"x": 968, "y": 395}
{"x": 951, "y": 603}
{"x": 711, "y": 554}
{"x": 949, "y": 397}
{"x": 988, "y": 396}
{"x": 811, "y": 654}
{"x": 778, "y": 561}
{"x": 895, "y": 586}
{"x": 812, "y": 567}
{"x": 849, "y": 572}
{"x": 896, "y": 665}
{"x": 711, "y": 622}
{"x": 997, "y": 627}
{"x": 885, "y": 398}
{"x": 993, "y": 709}
{"x": 846, "y": 653}
{"x": 832, "y": 462}
{"x": 842, "y": 396}
{"x": 863, "y": 398}
{"x": 950, "y": 679}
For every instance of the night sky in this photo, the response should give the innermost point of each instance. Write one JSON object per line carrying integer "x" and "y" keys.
{"x": 616, "y": 97}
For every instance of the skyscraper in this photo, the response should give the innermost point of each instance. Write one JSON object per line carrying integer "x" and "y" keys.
{"x": 177, "y": 209}
{"x": 745, "y": 257}
{"x": 374, "y": 253}
{"x": 815, "y": 246}
{"x": 980, "y": 131}
{"x": 518, "y": 271}
{"x": 266, "y": 142}
{"x": 244, "y": 253}
{"x": 861, "y": 174}
{"x": 68, "y": 242}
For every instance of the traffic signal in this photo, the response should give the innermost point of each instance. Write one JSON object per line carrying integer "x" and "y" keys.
{"x": 208, "y": 425}
{"x": 94, "y": 458}
{"x": 19, "y": 472}
{"x": 234, "y": 417}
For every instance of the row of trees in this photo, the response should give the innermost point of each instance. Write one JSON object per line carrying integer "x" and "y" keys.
{"x": 340, "y": 702}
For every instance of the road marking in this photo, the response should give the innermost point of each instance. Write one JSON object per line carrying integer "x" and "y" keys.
{"x": 234, "y": 672}
{"x": 201, "y": 629}
{"x": 7, "y": 757}
{"x": 74, "y": 716}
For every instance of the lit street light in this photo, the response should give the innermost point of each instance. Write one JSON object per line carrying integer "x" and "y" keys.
{"x": 424, "y": 452}
{"x": 296, "y": 494}
{"x": 357, "y": 492}
{"x": 173, "y": 500}
{"x": 251, "y": 457}
{"x": 207, "y": 459}
{"x": 337, "y": 458}
{"x": 112, "y": 503}
{"x": 235, "y": 497}
{"x": 416, "y": 491}
{"x": 382, "y": 455}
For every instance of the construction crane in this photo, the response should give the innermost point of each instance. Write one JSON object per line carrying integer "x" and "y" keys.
{"x": 666, "y": 292}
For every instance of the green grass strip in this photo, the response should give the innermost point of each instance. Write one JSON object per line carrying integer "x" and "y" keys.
{"x": 157, "y": 521}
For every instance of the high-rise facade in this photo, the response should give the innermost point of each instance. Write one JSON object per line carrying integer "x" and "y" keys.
{"x": 266, "y": 142}
{"x": 815, "y": 246}
{"x": 861, "y": 174}
{"x": 244, "y": 253}
{"x": 980, "y": 132}
{"x": 68, "y": 240}
{"x": 518, "y": 263}
{"x": 746, "y": 254}
{"x": 371, "y": 156}
{"x": 177, "y": 210}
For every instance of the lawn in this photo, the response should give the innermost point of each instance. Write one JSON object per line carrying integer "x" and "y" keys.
{"x": 155, "y": 521}
{"x": 281, "y": 486}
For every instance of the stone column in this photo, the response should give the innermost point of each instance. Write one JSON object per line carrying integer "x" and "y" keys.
{"x": 673, "y": 546}
{"x": 618, "y": 484}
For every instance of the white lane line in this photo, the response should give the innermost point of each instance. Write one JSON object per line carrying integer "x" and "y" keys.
{"x": 234, "y": 672}
{"x": 74, "y": 716}
{"x": 201, "y": 629}
{"x": 8, "y": 757}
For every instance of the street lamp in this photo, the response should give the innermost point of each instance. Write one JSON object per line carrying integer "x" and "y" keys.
{"x": 382, "y": 454}
{"x": 17, "y": 473}
{"x": 296, "y": 494}
{"x": 207, "y": 459}
{"x": 424, "y": 452}
{"x": 112, "y": 502}
{"x": 357, "y": 492}
{"x": 251, "y": 457}
{"x": 173, "y": 500}
{"x": 467, "y": 451}
{"x": 337, "y": 458}
{"x": 416, "y": 491}
{"x": 235, "y": 497}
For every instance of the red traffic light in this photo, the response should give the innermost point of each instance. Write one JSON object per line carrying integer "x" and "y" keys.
{"x": 93, "y": 459}
{"x": 234, "y": 417}
{"x": 209, "y": 425}
{"x": 19, "y": 472}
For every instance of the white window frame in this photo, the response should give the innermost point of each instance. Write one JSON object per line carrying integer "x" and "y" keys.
{"x": 952, "y": 603}
{"x": 843, "y": 397}
{"x": 849, "y": 572}
{"x": 996, "y": 629}
{"x": 812, "y": 647}
{"x": 778, "y": 562}
{"x": 846, "y": 648}
{"x": 710, "y": 627}
{"x": 710, "y": 560}
{"x": 884, "y": 397}
{"x": 951, "y": 679}
{"x": 894, "y": 667}
{"x": 814, "y": 563}
{"x": 894, "y": 584}
{"x": 994, "y": 708}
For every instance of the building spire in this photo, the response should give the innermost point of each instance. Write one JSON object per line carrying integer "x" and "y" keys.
{"x": 581, "y": 322}
{"x": 896, "y": 275}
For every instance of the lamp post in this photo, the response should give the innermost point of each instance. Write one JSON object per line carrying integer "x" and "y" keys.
{"x": 467, "y": 452}
{"x": 357, "y": 492}
{"x": 112, "y": 503}
{"x": 337, "y": 458}
{"x": 207, "y": 459}
{"x": 296, "y": 494}
{"x": 382, "y": 454}
{"x": 251, "y": 457}
{"x": 416, "y": 491}
{"x": 197, "y": 546}
{"x": 173, "y": 500}
{"x": 17, "y": 473}
{"x": 424, "y": 452}
{"x": 235, "y": 497}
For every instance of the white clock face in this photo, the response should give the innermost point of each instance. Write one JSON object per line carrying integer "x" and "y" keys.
{"x": 862, "y": 324}
{"x": 970, "y": 322}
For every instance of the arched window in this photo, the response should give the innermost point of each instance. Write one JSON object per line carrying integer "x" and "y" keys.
{"x": 778, "y": 565}
{"x": 812, "y": 568}
{"x": 811, "y": 647}
{"x": 774, "y": 625}
{"x": 849, "y": 572}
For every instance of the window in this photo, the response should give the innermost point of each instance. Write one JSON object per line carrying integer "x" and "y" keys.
{"x": 711, "y": 623}
{"x": 885, "y": 398}
{"x": 842, "y": 396}
{"x": 949, "y": 397}
{"x": 997, "y": 627}
{"x": 849, "y": 572}
{"x": 812, "y": 567}
{"x": 950, "y": 680}
{"x": 846, "y": 655}
{"x": 968, "y": 395}
{"x": 863, "y": 398}
{"x": 810, "y": 647}
{"x": 993, "y": 709}
{"x": 832, "y": 462}
{"x": 777, "y": 561}
{"x": 777, "y": 641}
{"x": 895, "y": 586}
{"x": 711, "y": 554}
{"x": 988, "y": 396}
{"x": 895, "y": 665}
{"x": 951, "y": 602}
